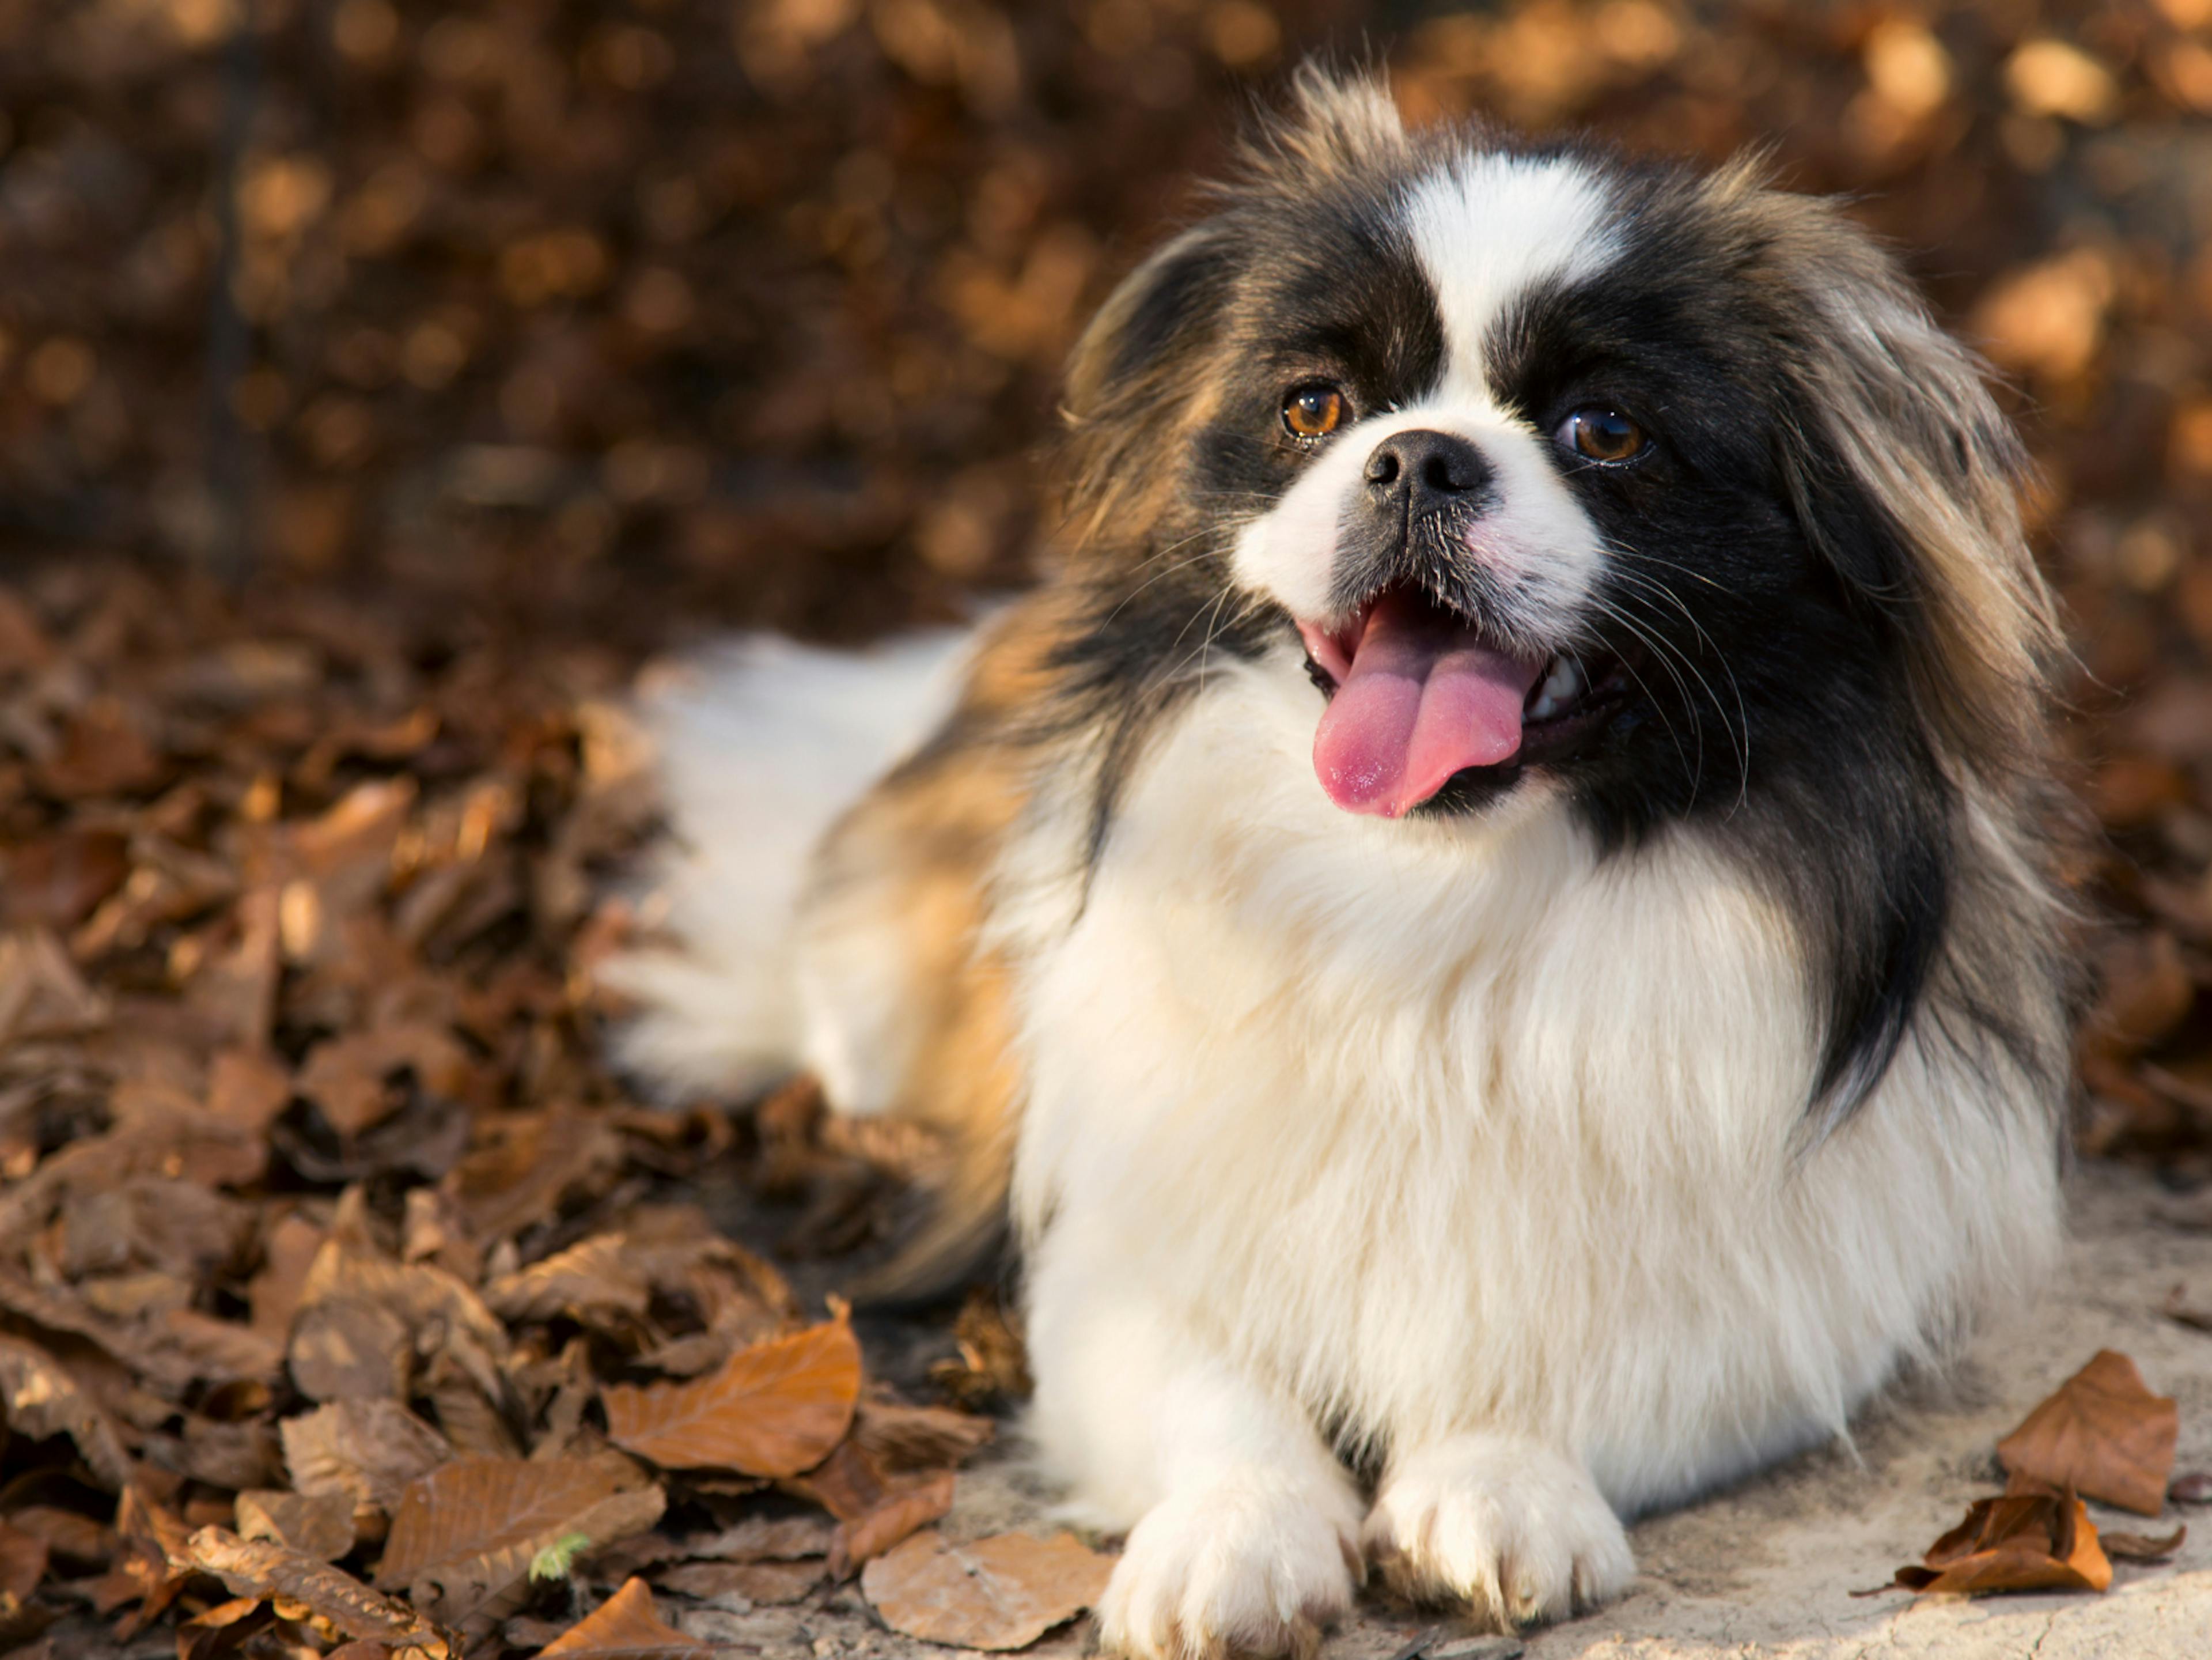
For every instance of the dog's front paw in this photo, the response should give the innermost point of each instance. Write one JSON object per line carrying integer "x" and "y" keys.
{"x": 1501, "y": 1524}
{"x": 1248, "y": 1565}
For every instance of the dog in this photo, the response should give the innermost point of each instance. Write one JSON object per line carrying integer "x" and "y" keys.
{"x": 1492, "y": 928}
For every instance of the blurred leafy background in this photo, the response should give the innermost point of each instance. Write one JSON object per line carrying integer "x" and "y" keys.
{"x": 568, "y": 332}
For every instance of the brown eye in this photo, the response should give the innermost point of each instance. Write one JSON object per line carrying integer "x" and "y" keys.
{"x": 1603, "y": 433}
{"x": 1313, "y": 411}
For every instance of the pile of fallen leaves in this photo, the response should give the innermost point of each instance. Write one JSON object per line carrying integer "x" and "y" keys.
{"x": 343, "y": 1298}
{"x": 2102, "y": 1435}
{"x": 624, "y": 318}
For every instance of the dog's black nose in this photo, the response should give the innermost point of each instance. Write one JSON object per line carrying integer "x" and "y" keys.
{"x": 1426, "y": 470}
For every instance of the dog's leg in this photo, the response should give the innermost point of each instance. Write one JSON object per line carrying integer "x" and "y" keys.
{"x": 1246, "y": 1535}
{"x": 1502, "y": 1522}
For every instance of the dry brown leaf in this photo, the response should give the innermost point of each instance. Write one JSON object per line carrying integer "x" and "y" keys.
{"x": 466, "y": 1417}
{"x": 350, "y": 1348}
{"x": 57, "y": 1311}
{"x": 41, "y": 1399}
{"x": 908, "y": 1507}
{"x": 55, "y": 881}
{"x": 765, "y": 1539}
{"x": 765, "y": 1582}
{"x": 366, "y": 1451}
{"x": 347, "y": 1077}
{"x": 354, "y": 1301}
{"x": 219, "y": 1455}
{"x": 319, "y": 1524}
{"x": 41, "y": 993}
{"x": 900, "y": 1438}
{"x": 218, "y": 1351}
{"x": 235, "y": 989}
{"x": 1003, "y": 1592}
{"x": 2146, "y": 993}
{"x": 288, "y": 1254}
{"x": 994, "y": 1364}
{"x": 150, "y": 1561}
{"x": 593, "y": 1282}
{"x": 773, "y": 1409}
{"x": 524, "y": 1165}
{"x": 2143, "y": 1547}
{"x": 2192, "y": 1488}
{"x": 2103, "y": 1433}
{"x": 2018, "y": 1542}
{"x": 104, "y": 752}
{"x": 464, "y": 1536}
{"x": 247, "y": 1088}
{"x": 22, "y": 1561}
{"x": 78, "y": 1539}
{"x": 258, "y": 1568}
{"x": 625, "y": 1625}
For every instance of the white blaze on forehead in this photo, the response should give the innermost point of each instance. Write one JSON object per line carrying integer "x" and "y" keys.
{"x": 1487, "y": 228}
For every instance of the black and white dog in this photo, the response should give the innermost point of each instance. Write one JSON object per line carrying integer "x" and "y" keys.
{"x": 1493, "y": 922}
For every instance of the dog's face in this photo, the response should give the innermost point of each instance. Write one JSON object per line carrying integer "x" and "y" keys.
{"x": 1493, "y": 470}
{"x": 1545, "y": 466}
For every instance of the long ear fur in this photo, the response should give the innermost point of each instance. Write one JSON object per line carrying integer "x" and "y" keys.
{"x": 1925, "y": 520}
{"x": 1138, "y": 379}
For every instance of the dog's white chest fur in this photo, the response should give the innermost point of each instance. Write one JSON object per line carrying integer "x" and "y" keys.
{"x": 1470, "y": 1129}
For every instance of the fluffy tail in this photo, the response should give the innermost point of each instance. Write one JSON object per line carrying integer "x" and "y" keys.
{"x": 761, "y": 748}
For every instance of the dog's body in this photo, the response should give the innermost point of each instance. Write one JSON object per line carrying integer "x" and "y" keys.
{"x": 1628, "y": 1030}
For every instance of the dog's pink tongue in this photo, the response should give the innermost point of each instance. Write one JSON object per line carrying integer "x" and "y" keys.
{"x": 1422, "y": 699}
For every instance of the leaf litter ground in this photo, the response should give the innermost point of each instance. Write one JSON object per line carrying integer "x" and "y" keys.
{"x": 341, "y": 1287}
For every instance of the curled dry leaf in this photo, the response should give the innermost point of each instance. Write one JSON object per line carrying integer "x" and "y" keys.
{"x": 42, "y": 1399}
{"x": 875, "y": 1509}
{"x": 2143, "y": 1547}
{"x": 1003, "y": 1592}
{"x": 41, "y": 993}
{"x": 623, "y": 1625}
{"x": 912, "y": 1506}
{"x": 993, "y": 1366}
{"x": 2192, "y": 1488}
{"x": 593, "y": 1282}
{"x": 2103, "y": 1433}
{"x": 773, "y": 1409}
{"x": 319, "y": 1525}
{"x": 2018, "y": 1542}
{"x": 464, "y": 1536}
{"x": 902, "y": 1437}
{"x": 522, "y": 1165}
{"x": 366, "y": 1451}
{"x": 23, "y": 1557}
{"x": 259, "y": 1568}
{"x": 346, "y": 1077}
{"x": 151, "y": 1561}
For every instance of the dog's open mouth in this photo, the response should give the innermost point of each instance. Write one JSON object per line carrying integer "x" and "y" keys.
{"x": 1418, "y": 695}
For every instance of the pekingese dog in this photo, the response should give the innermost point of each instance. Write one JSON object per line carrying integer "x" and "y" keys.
{"x": 1492, "y": 927}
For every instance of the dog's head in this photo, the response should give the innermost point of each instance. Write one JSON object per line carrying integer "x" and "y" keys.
{"x": 1659, "y": 483}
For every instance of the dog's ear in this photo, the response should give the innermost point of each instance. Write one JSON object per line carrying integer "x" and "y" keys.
{"x": 1138, "y": 378}
{"x": 1144, "y": 369}
{"x": 1907, "y": 476}
{"x": 1162, "y": 314}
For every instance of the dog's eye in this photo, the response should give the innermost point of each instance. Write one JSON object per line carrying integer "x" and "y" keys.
{"x": 1313, "y": 411}
{"x": 1603, "y": 433}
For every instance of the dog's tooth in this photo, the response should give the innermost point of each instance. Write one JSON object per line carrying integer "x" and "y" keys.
{"x": 1561, "y": 687}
